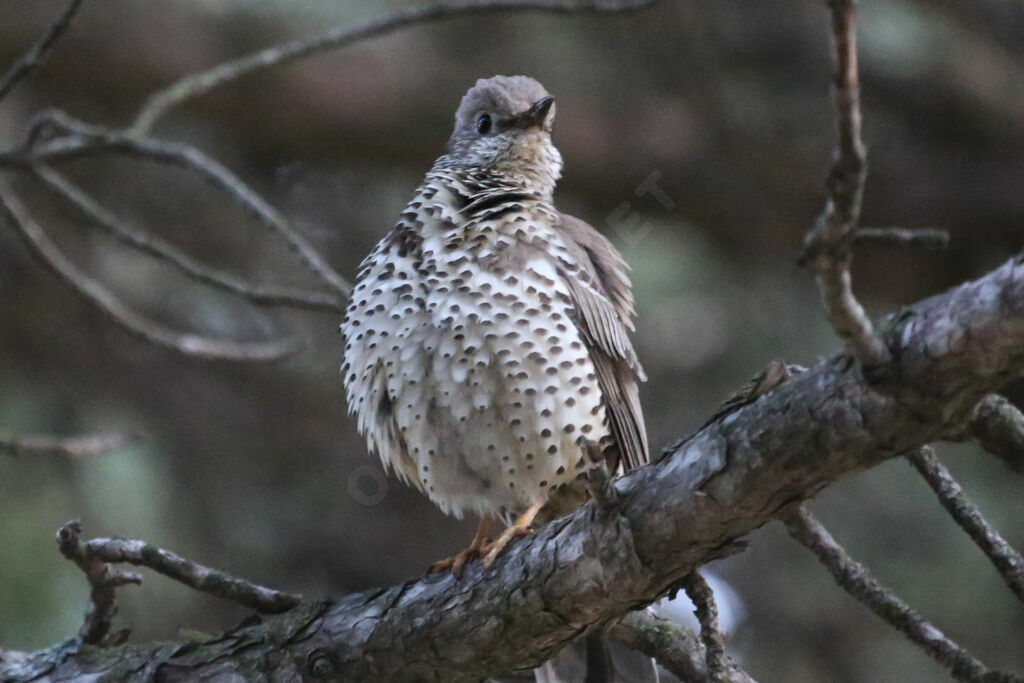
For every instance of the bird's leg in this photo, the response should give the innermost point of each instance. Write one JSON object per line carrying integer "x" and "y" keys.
{"x": 521, "y": 527}
{"x": 475, "y": 549}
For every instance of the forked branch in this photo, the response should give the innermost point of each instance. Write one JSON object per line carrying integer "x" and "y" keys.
{"x": 675, "y": 648}
{"x": 827, "y": 245}
{"x": 96, "y": 557}
{"x": 104, "y": 581}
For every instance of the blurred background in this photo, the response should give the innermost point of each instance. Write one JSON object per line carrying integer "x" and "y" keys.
{"x": 256, "y": 469}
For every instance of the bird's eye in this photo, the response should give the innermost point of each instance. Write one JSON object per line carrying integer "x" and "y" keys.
{"x": 483, "y": 124}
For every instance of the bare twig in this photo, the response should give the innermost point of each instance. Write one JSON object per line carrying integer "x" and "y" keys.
{"x": 116, "y": 550}
{"x": 37, "y": 54}
{"x": 103, "y": 580}
{"x": 999, "y": 427}
{"x": 1007, "y": 561}
{"x": 92, "y": 291}
{"x": 88, "y": 139}
{"x": 190, "y": 158}
{"x": 83, "y": 446}
{"x": 53, "y": 126}
{"x": 703, "y": 599}
{"x": 924, "y": 238}
{"x": 196, "y": 84}
{"x": 675, "y": 648}
{"x": 162, "y": 251}
{"x": 827, "y": 247}
{"x": 192, "y": 574}
{"x": 856, "y": 580}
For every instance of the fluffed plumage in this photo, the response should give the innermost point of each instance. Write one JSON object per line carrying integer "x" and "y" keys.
{"x": 487, "y": 355}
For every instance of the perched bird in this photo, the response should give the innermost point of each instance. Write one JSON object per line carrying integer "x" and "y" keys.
{"x": 486, "y": 350}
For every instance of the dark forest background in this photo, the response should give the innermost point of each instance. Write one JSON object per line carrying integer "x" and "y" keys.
{"x": 256, "y": 469}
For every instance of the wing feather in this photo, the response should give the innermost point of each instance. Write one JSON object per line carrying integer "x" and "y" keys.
{"x": 603, "y": 297}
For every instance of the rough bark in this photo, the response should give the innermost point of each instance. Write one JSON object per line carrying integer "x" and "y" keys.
{"x": 663, "y": 521}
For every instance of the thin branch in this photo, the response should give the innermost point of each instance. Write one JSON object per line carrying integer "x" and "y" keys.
{"x": 196, "y": 84}
{"x": 95, "y": 557}
{"x": 88, "y": 139}
{"x": 92, "y": 291}
{"x": 999, "y": 427}
{"x": 703, "y": 599}
{"x": 190, "y": 158}
{"x": 84, "y": 446}
{"x": 826, "y": 246}
{"x": 675, "y": 648}
{"x": 849, "y": 166}
{"x": 52, "y": 126}
{"x": 966, "y": 514}
{"x": 192, "y": 574}
{"x": 103, "y": 580}
{"x": 856, "y": 580}
{"x": 40, "y": 50}
{"x": 923, "y": 238}
{"x": 167, "y": 253}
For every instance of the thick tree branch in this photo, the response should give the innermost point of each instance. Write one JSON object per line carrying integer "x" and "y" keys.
{"x": 828, "y": 247}
{"x": 585, "y": 570}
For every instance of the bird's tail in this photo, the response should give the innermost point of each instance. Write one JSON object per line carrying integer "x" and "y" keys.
{"x": 594, "y": 659}
{"x": 600, "y": 667}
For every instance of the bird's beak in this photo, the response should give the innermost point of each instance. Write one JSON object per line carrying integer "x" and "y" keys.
{"x": 536, "y": 115}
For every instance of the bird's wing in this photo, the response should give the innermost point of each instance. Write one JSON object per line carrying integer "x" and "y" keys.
{"x": 603, "y": 300}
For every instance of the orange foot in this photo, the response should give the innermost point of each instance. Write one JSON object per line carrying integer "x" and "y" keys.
{"x": 476, "y": 548}
{"x": 521, "y": 527}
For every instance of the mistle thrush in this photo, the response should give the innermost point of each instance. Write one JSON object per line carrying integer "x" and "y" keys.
{"x": 487, "y": 357}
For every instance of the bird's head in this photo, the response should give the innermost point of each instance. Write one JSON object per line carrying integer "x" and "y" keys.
{"x": 503, "y": 124}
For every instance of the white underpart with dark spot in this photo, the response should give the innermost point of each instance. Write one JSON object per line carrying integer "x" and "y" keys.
{"x": 462, "y": 362}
